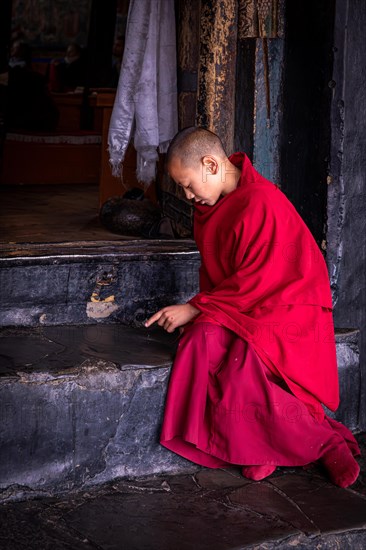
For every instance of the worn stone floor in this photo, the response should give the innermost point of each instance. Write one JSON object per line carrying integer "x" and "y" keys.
{"x": 214, "y": 509}
{"x": 51, "y": 213}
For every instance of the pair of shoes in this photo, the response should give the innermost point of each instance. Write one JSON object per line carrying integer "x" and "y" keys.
{"x": 258, "y": 472}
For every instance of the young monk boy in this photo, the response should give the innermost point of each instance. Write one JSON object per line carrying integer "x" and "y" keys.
{"x": 256, "y": 358}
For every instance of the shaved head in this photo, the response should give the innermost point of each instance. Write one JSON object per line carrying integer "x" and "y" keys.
{"x": 191, "y": 144}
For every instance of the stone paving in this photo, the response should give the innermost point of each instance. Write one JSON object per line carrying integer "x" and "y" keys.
{"x": 216, "y": 509}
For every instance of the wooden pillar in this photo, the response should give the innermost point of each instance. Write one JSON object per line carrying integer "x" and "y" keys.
{"x": 207, "y": 36}
{"x": 188, "y": 59}
{"x": 216, "y": 81}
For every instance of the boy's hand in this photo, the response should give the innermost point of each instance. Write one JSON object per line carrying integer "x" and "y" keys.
{"x": 171, "y": 317}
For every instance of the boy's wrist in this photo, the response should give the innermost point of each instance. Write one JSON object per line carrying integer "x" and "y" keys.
{"x": 193, "y": 309}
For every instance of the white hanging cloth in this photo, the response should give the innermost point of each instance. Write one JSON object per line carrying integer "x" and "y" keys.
{"x": 145, "y": 107}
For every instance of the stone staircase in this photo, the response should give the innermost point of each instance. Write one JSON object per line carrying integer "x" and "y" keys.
{"x": 82, "y": 381}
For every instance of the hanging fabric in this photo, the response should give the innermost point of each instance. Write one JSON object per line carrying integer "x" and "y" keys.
{"x": 145, "y": 107}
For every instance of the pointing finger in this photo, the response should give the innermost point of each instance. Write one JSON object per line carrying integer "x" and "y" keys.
{"x": 153, "y": 318}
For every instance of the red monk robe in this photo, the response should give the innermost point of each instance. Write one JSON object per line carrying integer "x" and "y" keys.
{"x": 253, "y": 369}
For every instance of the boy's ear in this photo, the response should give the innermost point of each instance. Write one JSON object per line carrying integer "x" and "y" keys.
{"x": 210, "y": 164}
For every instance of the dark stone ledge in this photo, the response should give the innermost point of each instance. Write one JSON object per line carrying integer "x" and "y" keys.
{"x": 139, "y": 249}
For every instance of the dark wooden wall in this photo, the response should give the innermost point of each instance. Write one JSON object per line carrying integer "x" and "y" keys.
{"x": 307, "y": 92}
{"x": 346, "y": 235}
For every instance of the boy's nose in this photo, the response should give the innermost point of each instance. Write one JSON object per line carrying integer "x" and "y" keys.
{"x": 189, "y": 194}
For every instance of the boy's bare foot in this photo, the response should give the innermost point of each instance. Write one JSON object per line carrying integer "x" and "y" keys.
{"x": 341, "y": 467}
{"x": 257, "y": 472}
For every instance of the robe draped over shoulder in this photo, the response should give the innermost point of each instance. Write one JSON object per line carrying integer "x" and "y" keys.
{"x": 263, "y": 276}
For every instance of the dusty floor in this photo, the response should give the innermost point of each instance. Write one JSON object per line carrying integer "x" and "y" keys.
{"x": 51, "y": 213}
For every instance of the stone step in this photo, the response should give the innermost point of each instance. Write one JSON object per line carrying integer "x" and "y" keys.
{"x": 83, "y": 405}
{"x": 94, "y": 282}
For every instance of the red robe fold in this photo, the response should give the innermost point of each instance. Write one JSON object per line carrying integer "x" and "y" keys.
{"x": 224, "y": 406}
{"x": 264, "y": 277}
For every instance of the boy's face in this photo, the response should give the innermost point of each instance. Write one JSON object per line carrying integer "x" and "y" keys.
{"x": 201, "y": 184}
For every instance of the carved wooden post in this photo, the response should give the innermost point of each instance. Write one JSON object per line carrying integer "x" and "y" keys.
{"x": 188, "y": 58}
{"x": 216, "y": 88}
